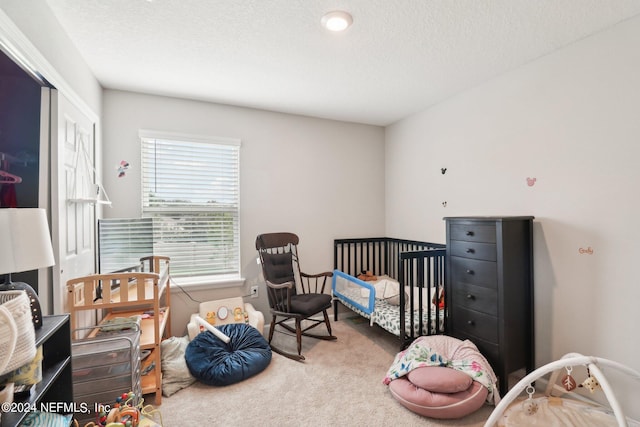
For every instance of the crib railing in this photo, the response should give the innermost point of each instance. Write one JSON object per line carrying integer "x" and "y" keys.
{"x": 380, "y": 255}
{"x": 416, "y": 265}
{"x": 422, "y": 270}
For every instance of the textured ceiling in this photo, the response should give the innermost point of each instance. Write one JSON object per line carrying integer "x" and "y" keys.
{"x": 399, "y": 56}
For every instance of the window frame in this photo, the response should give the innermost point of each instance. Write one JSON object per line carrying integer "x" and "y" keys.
{"x": 219, "y": 280}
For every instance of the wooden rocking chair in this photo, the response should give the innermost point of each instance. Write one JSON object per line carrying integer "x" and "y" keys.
{"x": 281, "y": 268}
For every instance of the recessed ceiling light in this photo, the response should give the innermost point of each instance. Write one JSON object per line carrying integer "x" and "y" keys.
{"x": 337, "y": 20}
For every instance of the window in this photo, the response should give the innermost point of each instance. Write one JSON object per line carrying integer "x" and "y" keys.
{"x": 122, "y": 242}
{"x": 190, "y": 193}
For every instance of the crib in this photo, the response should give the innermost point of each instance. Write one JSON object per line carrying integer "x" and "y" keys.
{"x": 413, "y": 266}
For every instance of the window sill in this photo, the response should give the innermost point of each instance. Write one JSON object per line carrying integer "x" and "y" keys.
{"x": 208, "y": 282}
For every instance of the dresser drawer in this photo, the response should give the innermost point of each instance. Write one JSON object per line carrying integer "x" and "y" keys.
{"x": 474, "y": 272}
{"x": 474, "y": 250}
{"x": 476, "y": 298}
{"x": 475, "y": 324}
{"x": 473, "y": 232}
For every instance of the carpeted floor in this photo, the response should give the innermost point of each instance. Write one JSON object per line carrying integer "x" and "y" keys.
{"x": 339, "y": 384}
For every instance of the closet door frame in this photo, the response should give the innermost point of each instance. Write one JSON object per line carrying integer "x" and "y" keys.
{"x": 20, "y": 49}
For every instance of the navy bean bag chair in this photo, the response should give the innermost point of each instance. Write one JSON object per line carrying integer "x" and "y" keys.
{"x": 214, "y": 362}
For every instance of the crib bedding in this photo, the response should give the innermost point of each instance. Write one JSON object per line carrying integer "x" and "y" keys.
{"x": 375, "y": 301}
{"x": 384, "y": 288}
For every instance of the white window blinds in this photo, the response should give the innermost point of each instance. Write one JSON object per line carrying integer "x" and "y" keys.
{"x": 122, "y": 242}
{"x": 190, "y": 192}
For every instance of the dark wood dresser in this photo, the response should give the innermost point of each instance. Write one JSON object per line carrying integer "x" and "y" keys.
{"x": 489, "y": 289}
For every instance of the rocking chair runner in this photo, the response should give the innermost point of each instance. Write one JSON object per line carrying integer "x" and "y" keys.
{"x": 281, "y": 268}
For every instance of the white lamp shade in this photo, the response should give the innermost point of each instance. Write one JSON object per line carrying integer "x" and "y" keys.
{"x": 25, "y": 242}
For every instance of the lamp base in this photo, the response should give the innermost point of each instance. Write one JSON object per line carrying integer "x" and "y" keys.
{"x": 34, "y": 302}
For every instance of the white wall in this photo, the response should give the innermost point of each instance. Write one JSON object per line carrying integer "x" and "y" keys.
{"x": 318, "y": 178}
{"x": 570, "y": 120}
{"x": 36, "y": 21}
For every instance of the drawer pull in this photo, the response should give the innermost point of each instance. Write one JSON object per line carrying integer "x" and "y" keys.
{"x": 470, "y": 322}
{"x": 469, "y": 296}
{"x": 469, "y": 271}
{"x": 470, "y": 250}
{"x": 469, "y": 233}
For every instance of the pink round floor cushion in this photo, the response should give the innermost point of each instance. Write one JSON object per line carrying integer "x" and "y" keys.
{"x": 437, "y": 404}
{"x": 439, "y": 379}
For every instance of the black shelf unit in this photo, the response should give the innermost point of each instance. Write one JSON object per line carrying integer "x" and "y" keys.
{"x": 56, "y": 386}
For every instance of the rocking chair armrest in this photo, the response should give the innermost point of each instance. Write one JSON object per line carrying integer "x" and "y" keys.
{"x": 313, "y": 276}
{"x": 289, "y": 285}
{"x": 314, "y": 283}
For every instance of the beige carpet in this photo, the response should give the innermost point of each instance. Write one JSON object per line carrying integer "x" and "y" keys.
{"x": 339, "y": 384}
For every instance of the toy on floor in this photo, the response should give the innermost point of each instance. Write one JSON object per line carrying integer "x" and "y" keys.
{"x": 126, "y": 413}
{"x": 224, "y": 311}
{"x": 215, "y": 331}
{"x": 550, "y": 409}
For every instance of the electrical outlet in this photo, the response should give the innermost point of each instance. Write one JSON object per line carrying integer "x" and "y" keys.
{"x": 254, "y": 292}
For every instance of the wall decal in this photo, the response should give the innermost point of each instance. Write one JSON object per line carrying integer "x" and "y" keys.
{"x": 122, "y": 168}
{"x": 587, "y": 251}
{"x": 531, "y": 181}
{"x": 443, "y": 170}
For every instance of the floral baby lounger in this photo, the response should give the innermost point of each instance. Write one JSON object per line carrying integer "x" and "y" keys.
{"x": 464, "y": 365}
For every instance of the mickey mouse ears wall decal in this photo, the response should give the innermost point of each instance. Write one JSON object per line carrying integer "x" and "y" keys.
{"x": 122, "y": 168}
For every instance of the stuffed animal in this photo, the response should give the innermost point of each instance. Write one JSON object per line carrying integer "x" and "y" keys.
{"x": 367, "y": 276}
